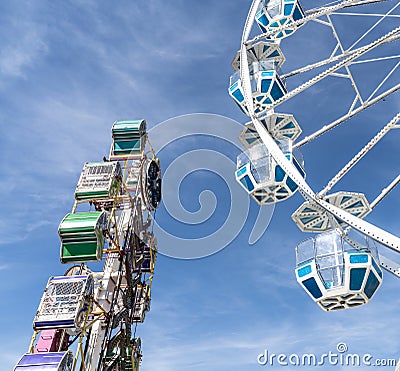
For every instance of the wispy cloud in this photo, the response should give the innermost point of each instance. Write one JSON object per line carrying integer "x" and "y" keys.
{"x": 15, "y": 58}
{"x": 24, "y": 45}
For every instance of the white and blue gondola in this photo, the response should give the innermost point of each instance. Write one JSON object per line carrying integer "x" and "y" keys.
{"x": 338, "y": 271}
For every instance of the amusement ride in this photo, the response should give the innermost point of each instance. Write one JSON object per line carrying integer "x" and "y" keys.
{"x": 341, "y": 267}
{"x": 84, "y": 320}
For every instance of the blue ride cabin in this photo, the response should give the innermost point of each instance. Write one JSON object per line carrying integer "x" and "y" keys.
{"x": 54, "y": 361}
{"x": 338, "y": 271}
{"x": 262, "y": 177}
{"x": 264, "y": 60}
{"x": 274, "y": 14}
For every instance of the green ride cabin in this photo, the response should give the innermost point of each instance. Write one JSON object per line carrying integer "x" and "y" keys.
{"x": 81, "y": 236}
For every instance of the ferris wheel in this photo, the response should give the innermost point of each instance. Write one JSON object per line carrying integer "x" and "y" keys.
{"x": 340, "y": 267}
{"x": 85, "y": 318}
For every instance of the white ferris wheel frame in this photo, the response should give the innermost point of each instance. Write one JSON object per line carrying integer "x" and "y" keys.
{"x": 345, "y": 59}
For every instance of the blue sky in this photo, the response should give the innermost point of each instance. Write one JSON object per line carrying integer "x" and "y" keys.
{"x": 68, "y": 70}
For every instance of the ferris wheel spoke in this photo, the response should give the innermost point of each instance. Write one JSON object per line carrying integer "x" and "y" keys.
{"x": 349, "y": 74}
{"x": 347, "y": 116}
{"x": 361, "y": 51}
{"x": 376, "y": 233}
{"x": 375, "y": 140}
{"x": 367, "y": 14}
{"x": 389, "y": 265}
{"x": 310, "y": 217}
{"x": 312, "y": 15}
{"x": 384, "y": 80}
{"x": 348, "y": 58}
{"x": 382, "y": 18}
{"x": 327, "y": 61}
{"x": 363, "y": 2}
{"x": 337, "y": 57}
{"x": 377, "y": 59}
{"x": 385, "y": 192}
